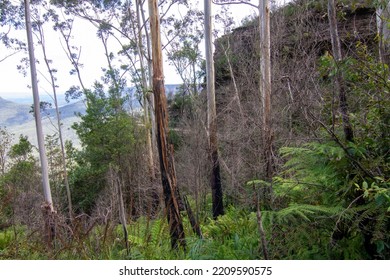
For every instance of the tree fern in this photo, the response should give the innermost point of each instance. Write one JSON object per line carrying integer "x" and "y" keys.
{"x": 323, "y": 196}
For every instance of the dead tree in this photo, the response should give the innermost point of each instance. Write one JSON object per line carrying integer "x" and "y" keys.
{"x": 216, "y": 185}
{"x": 165, "y": 150}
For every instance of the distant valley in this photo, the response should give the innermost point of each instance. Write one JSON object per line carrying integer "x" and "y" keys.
{"x": 18, "y": 120}
{"x": 15, "y": 115}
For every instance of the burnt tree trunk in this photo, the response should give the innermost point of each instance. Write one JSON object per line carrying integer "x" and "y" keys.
{"x": 216, "y": 185}
{"x": 191, "y": 217}
{"x": 165, "y": 150}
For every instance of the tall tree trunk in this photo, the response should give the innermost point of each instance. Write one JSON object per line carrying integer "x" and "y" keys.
{"x": 150, "y": 79}
{"x": 265, "y": 88}
{"x": 116, "y": 183}
{"x": 216, "y": 185}
{"x": 165, "y": 150}
{"x": 63, "y": 154}
{"x": 383, "y": 17}
{"x": 47, "y": 208}
{"x": 339, "y": 81}
{"x": 145, "y": 87}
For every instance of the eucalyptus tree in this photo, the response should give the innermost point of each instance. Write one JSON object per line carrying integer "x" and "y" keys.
{"x": 136, "y": 22}
{"x": 11, "y": 19}
{"x": 216, "y": 184}
{"x": 40, "y": 34}
{"x": 48, "y": 208}
{"x": 383, "y": 17}
{"x": 183, "y": 35}
{"x": 265, "y": 86}
{"x": 125, "y": 23}
{"x": 167, "y": 167}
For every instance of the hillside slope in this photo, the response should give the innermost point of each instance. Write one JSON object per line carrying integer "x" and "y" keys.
{"x": 18, "y": 120}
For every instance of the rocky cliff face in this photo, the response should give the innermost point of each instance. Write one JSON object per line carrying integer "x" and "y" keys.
{"x": 298, "y": 30}
{"x": 300, "y": 36}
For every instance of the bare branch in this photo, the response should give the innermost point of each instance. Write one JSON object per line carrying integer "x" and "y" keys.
{"x": 8, "y": 56}
{"x": 223, "y": 2}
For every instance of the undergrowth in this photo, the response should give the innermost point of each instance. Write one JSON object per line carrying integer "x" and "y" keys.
{"x": 325, "y": 207}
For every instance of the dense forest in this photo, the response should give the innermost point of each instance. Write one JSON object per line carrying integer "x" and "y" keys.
{"x": 275, "y": 145}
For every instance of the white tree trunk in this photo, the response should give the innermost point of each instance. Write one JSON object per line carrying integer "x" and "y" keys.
{"x": 37, "y": 112}
{"x": 145, "y": 89}
{"x": 265, "y": 84}
{"x": 383, "y": 17}
{"x": 62, "y": 146}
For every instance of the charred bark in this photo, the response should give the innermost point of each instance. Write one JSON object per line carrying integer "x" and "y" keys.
{"x": 193, "y": 221}
{"x": 216, "y": 185}
{"x": 168, "y": 176}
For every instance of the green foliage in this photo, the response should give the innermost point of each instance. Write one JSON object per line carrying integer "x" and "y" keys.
{"x": 107, "y": 134}
{"x": 233, "y": 236}
{"x": 180, "y": 105}
{"x": 22, "y": 150}
{"x": 149, "y": 239}
{"x": 367, "y": 89}
{"x": 312, "y": 173}
{"x": 325, "y": 208}
{"x": 105, "y": 131}
{"x": 23, "y": 173}
{"x": 86, "y": 185}
{"x": 14, "y": 244}
{"x": 175, "y": 139}
{"x": 5, "y": 240}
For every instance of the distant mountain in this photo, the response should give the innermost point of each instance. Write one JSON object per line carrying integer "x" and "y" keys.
{"x": 16, "y": 117}
{"x": 18, "y": 120}
{"x": 67, "y": 111}
{"x": 27, "y": 98}
{"x": 13, "y": 113}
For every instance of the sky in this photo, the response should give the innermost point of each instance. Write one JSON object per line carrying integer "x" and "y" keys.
{"x": 14, "y": 85}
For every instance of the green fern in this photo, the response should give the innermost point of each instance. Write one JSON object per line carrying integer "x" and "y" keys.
{"x": 303, "y": 212}
{"x": 325, "y": 208}
{"x": 232, "y": 236}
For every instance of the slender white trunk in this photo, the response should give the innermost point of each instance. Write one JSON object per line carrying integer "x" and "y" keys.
{"x": 265, "y": 84}
{"x": 37, "y": 112}
{"x": 63, "y": 154}
{"x": 145, "y": 90}
{"x": 150, "y": 79}
{"x": 383, "y": 17}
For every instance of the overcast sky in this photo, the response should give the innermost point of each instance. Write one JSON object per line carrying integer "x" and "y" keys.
{"x": 13, "y": 84}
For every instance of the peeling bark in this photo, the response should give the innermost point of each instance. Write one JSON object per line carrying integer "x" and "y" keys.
{"x": 165, "y": 150}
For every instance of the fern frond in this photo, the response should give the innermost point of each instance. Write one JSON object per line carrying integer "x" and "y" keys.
{"x": 296, "y": 213}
